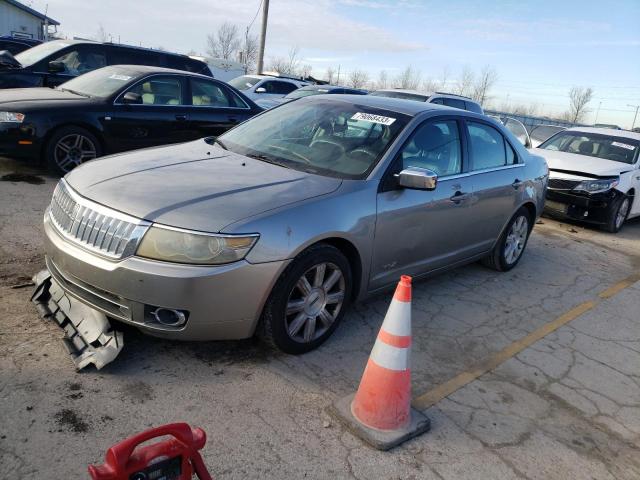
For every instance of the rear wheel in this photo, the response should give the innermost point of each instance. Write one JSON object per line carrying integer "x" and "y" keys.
{"x": 70, "y": 146}
{"x": 509, "y": 248}
{"x": 618, "y": 215}
{"x": 308, "y": 301}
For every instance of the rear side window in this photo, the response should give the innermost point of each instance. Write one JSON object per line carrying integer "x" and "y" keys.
{"x": 209, "y": 94}
{"x": 488, "y": 147}
{"x": 127, "y": 56}
{"x": 454, "y": 102}
{"x": 277, "y": 87}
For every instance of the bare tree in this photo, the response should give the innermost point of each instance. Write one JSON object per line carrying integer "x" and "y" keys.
{"x": 328, "y": 76}
{"x": 358, "y": 78}
{"x": 383, "y": 80}
{"x": 429, "y": 85}
{"x": 444, "y": 78}
{"x": 249, "y": 53}
{"x": 224, "y": 43}
{"x": 102, "y": 35}
{"x": 305, "y": 71}
{"x": 408, "y": 79}
{"x": 579, "y": 98}
{"x": 464, "y": 85}
{"x": 484, "y": 84}
{"x": 286, "y": 66}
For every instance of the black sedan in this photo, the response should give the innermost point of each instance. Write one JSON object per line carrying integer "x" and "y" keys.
{"x": 114, "y": 109}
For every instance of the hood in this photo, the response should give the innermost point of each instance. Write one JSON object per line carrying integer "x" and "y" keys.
{"x": 36, "y": 95}
{"x": 194, "y": 185}
{"x": 582, "y": 164}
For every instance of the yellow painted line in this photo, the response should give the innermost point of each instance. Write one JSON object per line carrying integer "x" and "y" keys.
{"x": 433, "y": 396}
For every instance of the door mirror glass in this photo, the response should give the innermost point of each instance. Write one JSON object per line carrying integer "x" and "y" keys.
{"x": 261, "y": 90}
{"x": 132, "y": 98}
{"x": 418, "y": 178}
{"x": 56, "y": 67}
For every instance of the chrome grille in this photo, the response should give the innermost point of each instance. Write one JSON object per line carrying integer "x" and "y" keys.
{"x": 562, "y": 184}
{"x": 96, "y": 228}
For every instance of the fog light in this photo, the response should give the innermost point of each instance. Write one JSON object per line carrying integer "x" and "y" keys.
{"x": 169, "y": 317}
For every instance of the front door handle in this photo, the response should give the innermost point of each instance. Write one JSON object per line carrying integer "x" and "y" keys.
{"x": 181, "y": 117}
{"x": 516, "y": 184}
{"x": 232, "y": 120}
{"x": 459, "y": 197}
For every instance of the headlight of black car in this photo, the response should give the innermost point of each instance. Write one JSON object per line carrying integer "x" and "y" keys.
{"x": 597, "y": 185}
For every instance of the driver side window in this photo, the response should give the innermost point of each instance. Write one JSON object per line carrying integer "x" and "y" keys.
{"x": 434, "y": 146}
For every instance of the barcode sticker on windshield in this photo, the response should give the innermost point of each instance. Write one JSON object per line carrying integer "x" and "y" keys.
{"x": 623, "y": 145}
{"x": 123, "y": 78}
{"x": 369, "y": 117}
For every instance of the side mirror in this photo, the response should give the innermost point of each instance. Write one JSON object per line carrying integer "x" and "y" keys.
{"x": 132, "y": 98}
{"x": 417, "y": 178}
{"x": 261, "y": 90}
{"x": 56, "y": 67}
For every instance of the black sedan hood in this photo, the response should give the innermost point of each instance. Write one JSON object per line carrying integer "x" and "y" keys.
{"x": 36, "y": 96}
{"x": 194, "y": 185}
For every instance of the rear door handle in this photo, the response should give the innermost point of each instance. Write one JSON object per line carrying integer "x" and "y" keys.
{"x": 516, "y": 184}
{"x": 459, "y": 197}
{"x": 181, "y": 118}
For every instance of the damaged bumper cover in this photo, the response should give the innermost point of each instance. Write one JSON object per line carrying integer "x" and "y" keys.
{"x": 88, "y": 335}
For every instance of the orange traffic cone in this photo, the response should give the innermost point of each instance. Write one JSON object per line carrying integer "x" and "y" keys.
{"x": 380, "y": 412}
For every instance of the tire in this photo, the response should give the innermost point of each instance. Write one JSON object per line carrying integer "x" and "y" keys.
{"x": 619, "y": 214}
{"x": 70, "y": 146}
{"x": 313, "y": 316}
{"x": 503, "y": 258}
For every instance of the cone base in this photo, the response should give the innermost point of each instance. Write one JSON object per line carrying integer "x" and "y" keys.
{"x": 380, "y": 439}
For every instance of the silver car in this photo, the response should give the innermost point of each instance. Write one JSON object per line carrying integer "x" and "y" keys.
{"x": 278, "y": 225}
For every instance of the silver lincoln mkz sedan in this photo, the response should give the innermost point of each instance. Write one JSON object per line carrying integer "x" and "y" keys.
{"x": 277, "y": 225}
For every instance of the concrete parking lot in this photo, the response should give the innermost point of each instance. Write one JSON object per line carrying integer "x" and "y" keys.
{"x": 534, "y": 373}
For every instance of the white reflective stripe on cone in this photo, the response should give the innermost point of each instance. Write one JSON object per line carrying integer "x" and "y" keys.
{"x": 390, "y": 357}
{"x": 398, "y": 319}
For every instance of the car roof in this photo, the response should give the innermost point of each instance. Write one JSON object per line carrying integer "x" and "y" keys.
{"x": 146, "y": 69}
{"x": 398, "y": 105}
{"x": 606, "y": 131}
{"x": 130, "y": 47}
{"x": 426, "y": 94}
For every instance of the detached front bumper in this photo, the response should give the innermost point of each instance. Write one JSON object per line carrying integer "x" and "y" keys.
{"x": 595, "y": 208}
{"x": 219, "y": 302}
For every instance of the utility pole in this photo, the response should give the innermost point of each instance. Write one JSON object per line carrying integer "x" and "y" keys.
{"x": 263, "y": 35}
{"x": 338, "y": 78}
{"x": 635, "y": 116}
{"x": 597, "y": 113}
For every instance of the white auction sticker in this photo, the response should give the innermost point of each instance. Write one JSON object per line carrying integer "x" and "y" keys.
{"x": 123, "y": 78}
{"x": 623, "y": 145}
{"x": 370, "y": 117}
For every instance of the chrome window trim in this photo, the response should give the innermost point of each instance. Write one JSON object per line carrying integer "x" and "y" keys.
{"x": 479, "y": 172}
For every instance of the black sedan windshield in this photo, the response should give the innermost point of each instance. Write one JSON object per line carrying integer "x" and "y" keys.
{"x": 102, "y": 83}
{"x": 332, "y": 138}
{"x": 607, "y": 147}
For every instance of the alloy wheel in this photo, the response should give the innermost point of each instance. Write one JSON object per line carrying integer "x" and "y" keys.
{"x": 314, "y": 302}
{"x": 73, "y": 149}
{"x": 516, "y": 239}
{"x": 621, "y": 216}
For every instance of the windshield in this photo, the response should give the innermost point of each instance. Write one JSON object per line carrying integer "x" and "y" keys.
{"x": 331, "y": 138}
{"x": 403, "y": 95}
{"x": 305, "y": 92}
{"x": 103, "y": 82}
{"x": 244, "y": 82}
{"x": 607, "y": 147}
{"x": 34, "y": 55}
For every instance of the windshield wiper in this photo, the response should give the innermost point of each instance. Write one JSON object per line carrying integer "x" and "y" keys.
{"x": 265, "y": 158}
{"x": 219, "y": 142}
{"x": 86, "y": 95}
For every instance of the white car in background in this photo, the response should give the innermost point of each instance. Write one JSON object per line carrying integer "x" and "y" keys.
{"x": 594, "y": 175}
{"x": 266, "y": 87}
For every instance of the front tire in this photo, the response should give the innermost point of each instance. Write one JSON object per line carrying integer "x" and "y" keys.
{"x": 308, "y": 301}
{"x": 509, "y": 249}
{"x": 619, "y": 214}
{"x": 70, "y": 146}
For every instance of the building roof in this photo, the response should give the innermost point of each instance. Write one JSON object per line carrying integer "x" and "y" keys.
{"x": 31, "y": 11}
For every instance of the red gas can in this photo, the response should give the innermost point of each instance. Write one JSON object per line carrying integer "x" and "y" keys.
{"x": 176, "y": 458}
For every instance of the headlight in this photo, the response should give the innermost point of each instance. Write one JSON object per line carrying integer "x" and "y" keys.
{"x": 597, "y": 186}
{"x": 179, "y": 246}
{"x": 11, "y": 117}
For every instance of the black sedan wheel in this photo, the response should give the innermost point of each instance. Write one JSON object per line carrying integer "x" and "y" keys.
{"x": 69, "y": 147}
{"x": 308, "y": 301}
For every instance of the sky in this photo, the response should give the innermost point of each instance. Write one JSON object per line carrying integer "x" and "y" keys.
{"x": 538, "y": 49}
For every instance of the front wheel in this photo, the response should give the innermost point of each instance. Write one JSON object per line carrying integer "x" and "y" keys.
{"x": 618, "y": 215}
{"x": 308, "y": 301}
{"x": 508, "y": 250}
{"x": 70, "y": 146}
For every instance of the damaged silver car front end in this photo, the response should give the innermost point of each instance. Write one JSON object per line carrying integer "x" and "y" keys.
{"x": 88, "y": 335}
